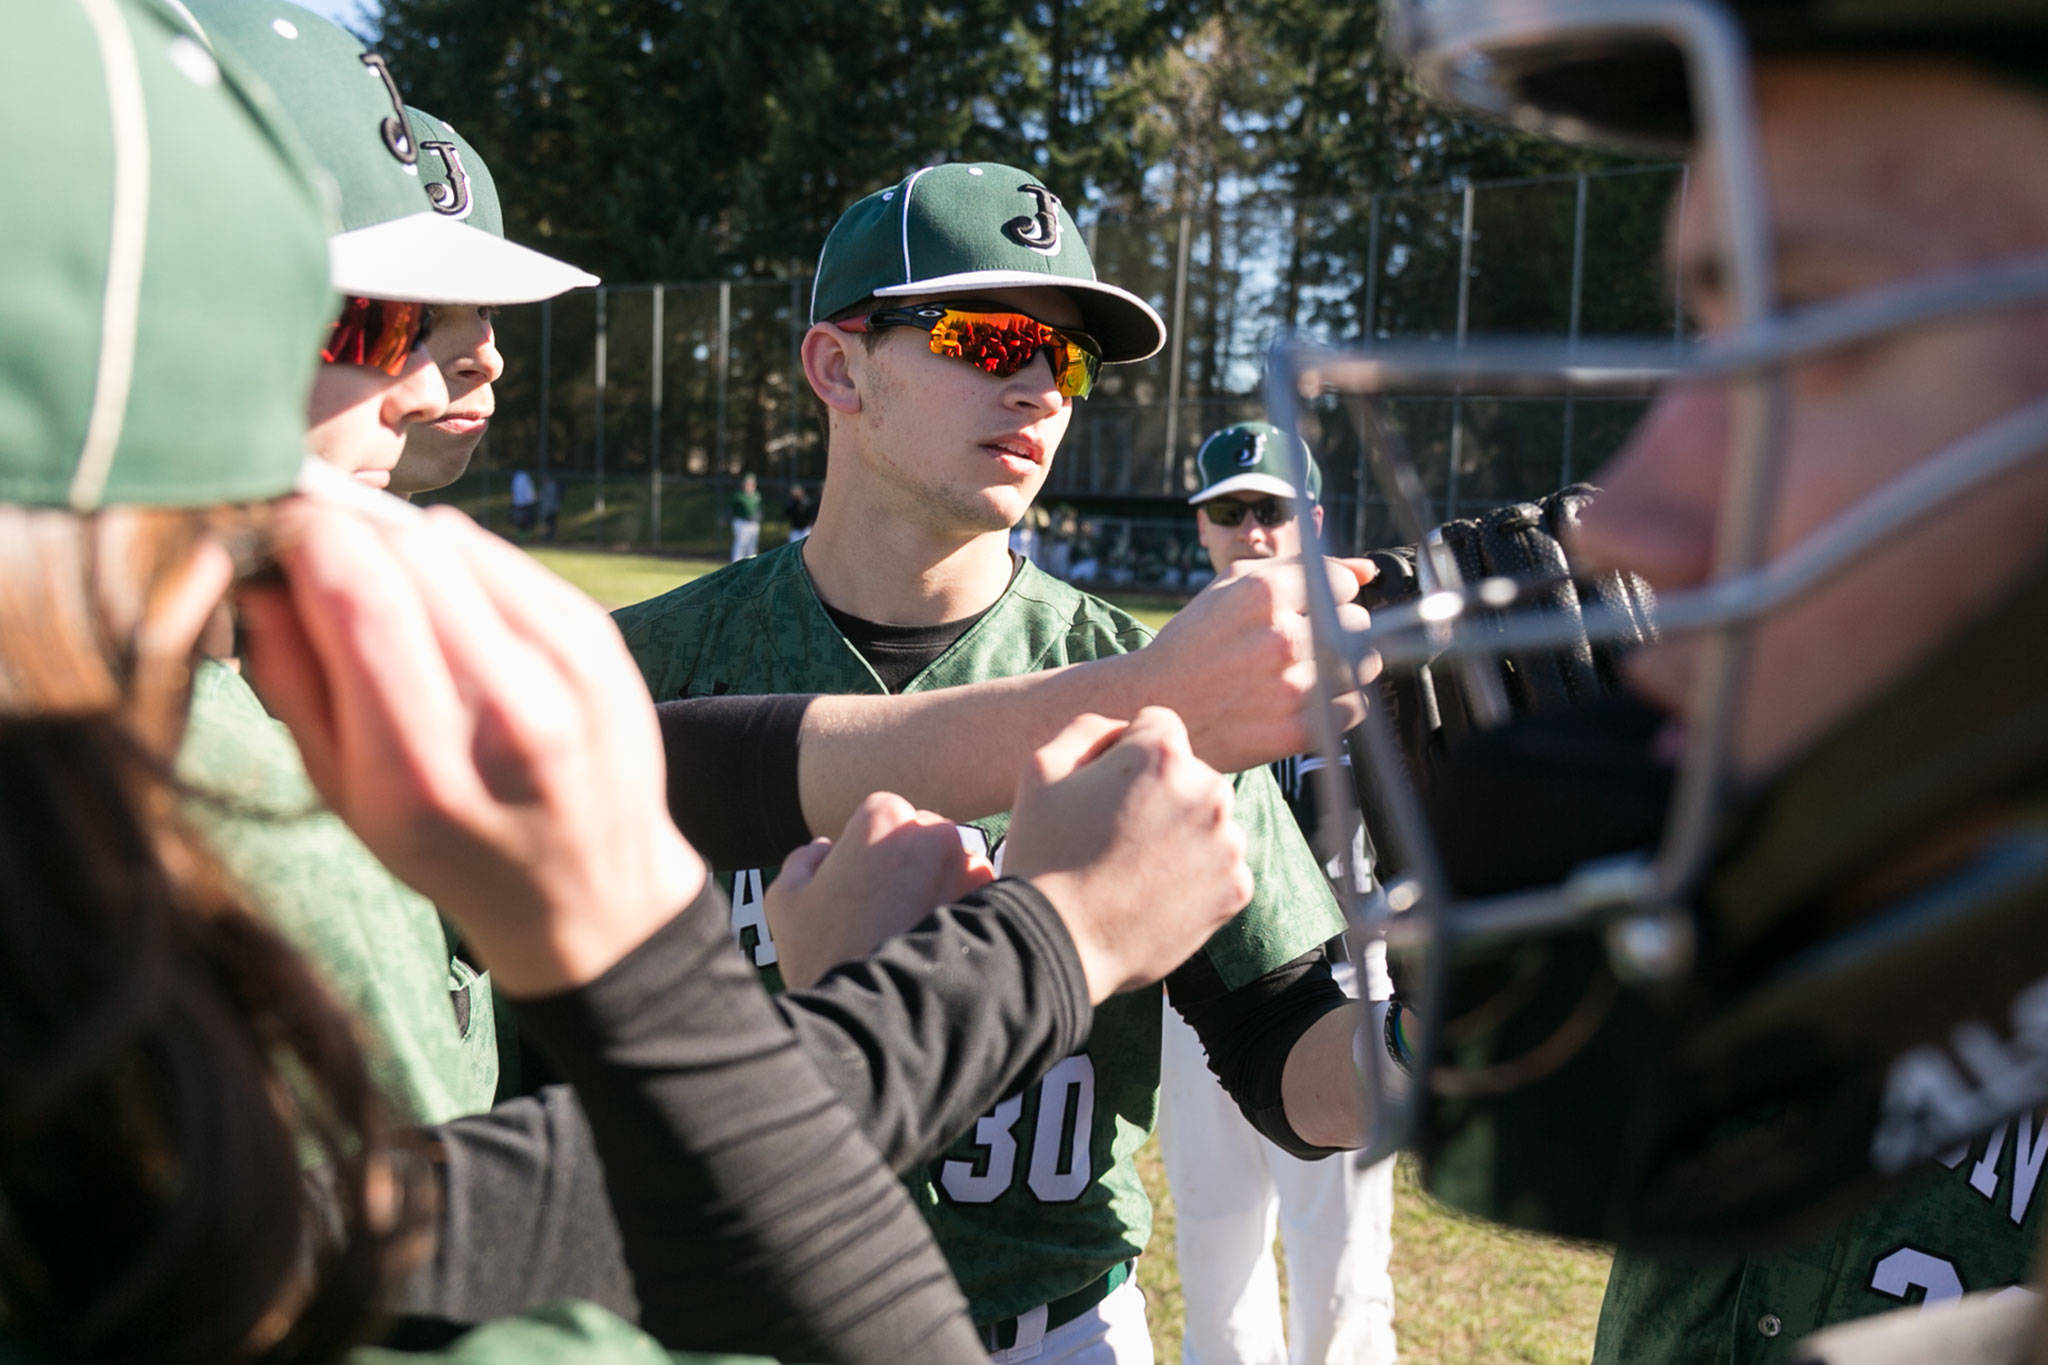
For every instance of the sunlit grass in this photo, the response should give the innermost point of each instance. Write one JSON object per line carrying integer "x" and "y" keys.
{"x": 617, "y": 578}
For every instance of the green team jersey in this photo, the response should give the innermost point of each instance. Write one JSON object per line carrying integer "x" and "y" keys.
{"x": 1974, "y": 1226}
{"x": 572, "y": 1333}
{"x": 377, "y": 944}
{"x": 1041, "y": 1198}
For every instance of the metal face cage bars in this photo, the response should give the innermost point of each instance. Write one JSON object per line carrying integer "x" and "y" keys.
{"x": 1634, "y": 899}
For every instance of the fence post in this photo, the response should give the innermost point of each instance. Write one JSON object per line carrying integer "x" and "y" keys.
{"x": 1169, "y": 475}
{"x": 1464, "y": 317}
{"x": 547, "y": 375}
{"x": 1364, "y": 468}
{"x": 654, "y": 430}
{"x": 600, "y": 400}
{"x": 1372, "y": 268}
{"x": 1369, "y": 330}
{"x": 1578, "y": 298}
{"x": 724, "y": 369}
{"x": 799, "y": 323}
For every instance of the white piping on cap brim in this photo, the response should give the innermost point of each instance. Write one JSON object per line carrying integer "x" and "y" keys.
{"x": 121, "y": 308}
{"x": 191, "y": 21}
{"x": 909, "y": 185}
{"x": 429, "y": 258}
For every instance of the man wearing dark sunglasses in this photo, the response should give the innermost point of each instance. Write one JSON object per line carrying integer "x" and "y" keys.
{"x": 1233, "y": 1188}
{"x": 1248, "y": 507}
{"x": 956, "y": 319}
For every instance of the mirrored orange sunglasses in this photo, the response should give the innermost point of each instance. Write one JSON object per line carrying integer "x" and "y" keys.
{"x": 379, "y": 333}
{"x": 997, "y": 343}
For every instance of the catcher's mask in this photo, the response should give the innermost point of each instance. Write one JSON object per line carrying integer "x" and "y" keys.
{"x": 1717, "y": 1025}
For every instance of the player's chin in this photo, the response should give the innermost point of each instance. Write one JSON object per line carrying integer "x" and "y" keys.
{"x": 432, "y": 459}
{"x": 999, "y": 509}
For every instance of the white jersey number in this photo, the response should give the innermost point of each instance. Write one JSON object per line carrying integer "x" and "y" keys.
{"x": 1909, "y": 1268}
{"x": 750, "y": 918}
{"x": 1058, "y": 1168}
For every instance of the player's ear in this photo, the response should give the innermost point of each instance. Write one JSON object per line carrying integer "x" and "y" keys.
{"x": 829, "y": 360}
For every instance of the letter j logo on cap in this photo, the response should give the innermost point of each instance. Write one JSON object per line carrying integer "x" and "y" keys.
{"x": 1041, "y": 230}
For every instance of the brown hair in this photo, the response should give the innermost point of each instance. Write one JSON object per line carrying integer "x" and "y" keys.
{"x": 168, "y": 1065}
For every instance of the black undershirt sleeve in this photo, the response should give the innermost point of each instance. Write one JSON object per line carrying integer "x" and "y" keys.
{"x": 918, "y": 1040}
{"x": 752, "y": 1214}
{"x": 732, "y": 774}
{"x": 924, "y": 1035}
{"x": 1249, "y": 1032}
{"x": 732, "y": 779}
{"x": 524, "y": 1220}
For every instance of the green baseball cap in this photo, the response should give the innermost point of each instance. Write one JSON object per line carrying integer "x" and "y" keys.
{"x": 396, "y": 242}
{"x": 163, "y": 284}
{"x": 1253, "y": 457}
{"x": 966, "y": 229}
{"x": 458, "y": 182}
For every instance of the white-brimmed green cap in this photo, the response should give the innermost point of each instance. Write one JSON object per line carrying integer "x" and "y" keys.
{"x": 394, "y": 243}
{"x": 964, "y": 229}
{"x": 1253, "y": 457}
{"x": 163, "y": 267}
{"x": 458, "y": 182}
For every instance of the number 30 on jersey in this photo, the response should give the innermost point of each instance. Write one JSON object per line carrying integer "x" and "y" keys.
{"x": 1053, "y": 1155}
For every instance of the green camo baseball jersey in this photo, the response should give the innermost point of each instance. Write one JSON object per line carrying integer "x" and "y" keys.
{"x": 558, "y": 1334}
{"x": 1971, "y": 1227}
{"x": 1041, "y": 1198}
{"x": 378, "y": 945}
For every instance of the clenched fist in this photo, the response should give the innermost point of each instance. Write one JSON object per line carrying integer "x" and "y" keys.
{"x": 1129, "y": 835}
{"x": 890, "y": 867}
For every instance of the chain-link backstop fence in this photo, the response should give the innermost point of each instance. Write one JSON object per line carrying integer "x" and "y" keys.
{"x": 647, "y": 402}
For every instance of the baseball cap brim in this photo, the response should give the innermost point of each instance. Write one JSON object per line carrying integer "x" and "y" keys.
{"x": 1127, "y": 326}
{"x": 1246, "y": 483}
{"x": 433, "y": 259}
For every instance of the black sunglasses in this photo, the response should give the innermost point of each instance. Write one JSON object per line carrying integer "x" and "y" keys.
{"x": 1228, "y": 512}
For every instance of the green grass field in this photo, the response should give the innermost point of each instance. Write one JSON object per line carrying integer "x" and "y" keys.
{"x": 618, "y": 578}
{"x": 1464, "y": 1292}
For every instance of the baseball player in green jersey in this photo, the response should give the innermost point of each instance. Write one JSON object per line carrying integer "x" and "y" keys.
{"x": 956, "y": 318}
{"x": 1780, "y": 1041}
{"x": 406, "y": 237}
{"x": 744, "y": 511}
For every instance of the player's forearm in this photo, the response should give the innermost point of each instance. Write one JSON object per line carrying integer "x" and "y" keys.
{"x": 930, "y": 1030}
{"x": 1320, "y": 1085}
{"x": 752, "y": 1214}
{"x": 913, "y": 745}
